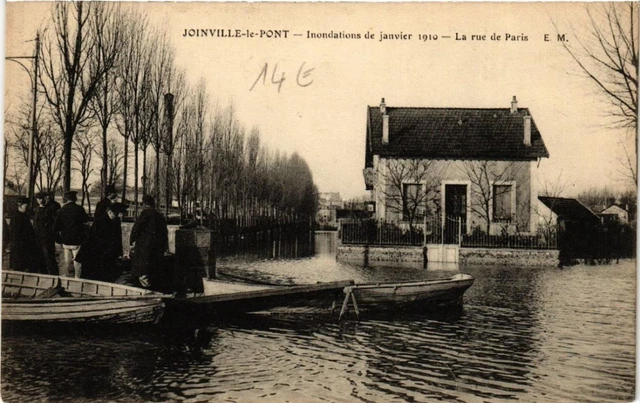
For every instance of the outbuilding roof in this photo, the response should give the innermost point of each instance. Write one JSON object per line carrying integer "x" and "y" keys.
{"x": 453, "y": 133}
{"x": 569, "y": 209}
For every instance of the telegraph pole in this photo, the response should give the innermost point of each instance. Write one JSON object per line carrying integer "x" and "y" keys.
{"x": 34, "y": 120}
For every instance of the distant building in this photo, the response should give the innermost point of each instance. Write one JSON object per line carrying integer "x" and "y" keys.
{"x": 329, "y": 200}
{"x": 328, "y": 203}
{"x": 616, "y": 213}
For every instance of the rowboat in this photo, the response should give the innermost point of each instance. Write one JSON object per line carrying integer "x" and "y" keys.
{"x": 32, "y": 297}
{"x": 413, "y": 294}
{"x": 223, "y": 298}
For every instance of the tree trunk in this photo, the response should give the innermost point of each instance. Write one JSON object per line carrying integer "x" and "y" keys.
{"x": 167, "y": 187}
{"x": 157, "y": 178}
{"x": 105, "y": 153}
{"x": 68, "y": 143}
{"x": 126, "y": 166}
{"x": 135, "y": 178}
{"x": 145, "y": 179}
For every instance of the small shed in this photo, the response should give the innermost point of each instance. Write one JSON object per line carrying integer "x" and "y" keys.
{"x": 578, "y": 227}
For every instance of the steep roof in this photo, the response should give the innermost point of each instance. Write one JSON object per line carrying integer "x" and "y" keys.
{"x": 570, "y": 209}
{"x": 453, "y": 133}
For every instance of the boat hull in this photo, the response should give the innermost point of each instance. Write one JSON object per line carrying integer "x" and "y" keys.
{"x": 227, "y": 299}
{"x": 422, "y": 294}
{"x": 84, "y": 301}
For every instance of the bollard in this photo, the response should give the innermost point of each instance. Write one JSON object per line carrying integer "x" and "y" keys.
{"x": 195, "y": 258}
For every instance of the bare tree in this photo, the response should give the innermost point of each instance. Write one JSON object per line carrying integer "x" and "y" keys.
{"x": 115, "y": 158}
{"x": 107, "y": 23}
{"x": 488, "y": 184}
{"x": 607, "y": 54}
{"x": 49, "y": 147}
{"x": 82, "y": 156}
{"x": 132, "y": 73}
{"x": 162, "y": 78}
{"x": 71, "y": 72}
{"x": 411, "y": 187}
{"x": 5, "y": 161}
{"x": 554, "y": 189}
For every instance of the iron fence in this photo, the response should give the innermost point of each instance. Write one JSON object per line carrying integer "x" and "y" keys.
{"x": 380, "y": 232}
{"x": 435, "y": 231}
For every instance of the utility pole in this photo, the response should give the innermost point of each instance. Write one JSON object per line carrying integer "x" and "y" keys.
{"x": 34, "y": 120}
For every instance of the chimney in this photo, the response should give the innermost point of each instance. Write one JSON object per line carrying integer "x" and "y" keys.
{"x": 385, "y": 122}
{"x": 385, "y": 129}
{"x": 527, "y": 129}
{"x": 514, "y": 105}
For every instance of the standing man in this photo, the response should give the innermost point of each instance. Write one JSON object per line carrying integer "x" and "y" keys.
{"x": 43, "y": 223}
{"x": 70, "y": 227}
{"x": 150, "y": 236}
{"x": 110, "y": 196}
{"x": 99, "y": 256}
{"x": 26, "y": 254}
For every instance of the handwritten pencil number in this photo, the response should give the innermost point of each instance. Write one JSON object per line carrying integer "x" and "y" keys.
{"x": 305, "y": 76}
{"x": 273, "y": 76}
{"x": 303, "y": 79}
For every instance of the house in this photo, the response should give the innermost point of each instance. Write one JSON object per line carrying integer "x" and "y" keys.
{"x": 616, "y": 213}
{"x": 328, "y": 203}
{"x": 468, "y": 169}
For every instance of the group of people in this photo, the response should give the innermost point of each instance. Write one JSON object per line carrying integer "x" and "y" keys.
{"x": 89, "y": 251}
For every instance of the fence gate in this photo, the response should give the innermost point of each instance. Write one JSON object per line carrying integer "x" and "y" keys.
{"x": 455, "y": 212}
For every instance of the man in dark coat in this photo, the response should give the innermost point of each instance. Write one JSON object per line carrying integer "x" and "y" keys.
{"x": 100, "y": 253}
{"x": 26, "y": 254}
{"x": 110, "y": 196}
{"x": 43, "y": 224}
{"x": 150, "y": 239}
{"x": 70, "y": 229}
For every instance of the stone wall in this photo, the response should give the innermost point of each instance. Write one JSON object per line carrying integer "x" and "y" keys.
{"x": 509, "y": 257}
{"x": 390, "y": 255}
{"x": 387, "y": 254}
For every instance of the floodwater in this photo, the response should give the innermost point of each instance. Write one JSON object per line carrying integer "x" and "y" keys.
{"x": 533, "y": 335}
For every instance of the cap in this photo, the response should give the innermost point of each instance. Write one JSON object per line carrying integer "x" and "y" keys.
{"x": 41, "y": 195}
{"x": 118, "y": 208}
{"x": 71, "y": 195}
{"x": 149, "y": 201}
{"x": 22, "y": 200}
{"x": 111, "y": 188}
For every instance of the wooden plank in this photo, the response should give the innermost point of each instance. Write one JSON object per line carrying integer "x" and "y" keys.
{"x": 271, "y": 292}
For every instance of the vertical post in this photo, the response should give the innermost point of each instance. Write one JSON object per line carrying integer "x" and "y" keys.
{"x": 168, "y": 104}
{"x": 424, "y": 230}
{"x": 34, "y": 122}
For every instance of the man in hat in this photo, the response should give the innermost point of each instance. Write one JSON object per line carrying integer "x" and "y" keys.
{"x": 71, "y": 230}
{"x": 150, "y": 238}
{"x": 43, "y": 224}
{"x": 99, "y": 255}
{"x": 110, "y": 196}
{"x": 26, "y": 254}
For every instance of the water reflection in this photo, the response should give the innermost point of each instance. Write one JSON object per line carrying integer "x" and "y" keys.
{"x": 523, "y": 334}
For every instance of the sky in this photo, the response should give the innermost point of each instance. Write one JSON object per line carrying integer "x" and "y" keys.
{"x": 319, "y": 110}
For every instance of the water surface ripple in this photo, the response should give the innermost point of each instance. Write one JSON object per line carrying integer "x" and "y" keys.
{"x": 533, "y": 335}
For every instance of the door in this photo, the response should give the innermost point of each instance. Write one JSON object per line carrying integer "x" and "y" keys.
{"x": 455, "y": 212}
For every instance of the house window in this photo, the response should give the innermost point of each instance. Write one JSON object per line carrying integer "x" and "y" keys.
{"x": 412, "y": 201}
{"x": 502, "y": 202}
